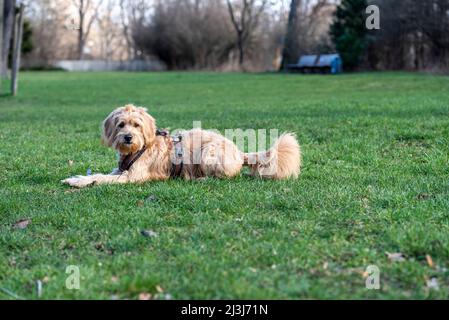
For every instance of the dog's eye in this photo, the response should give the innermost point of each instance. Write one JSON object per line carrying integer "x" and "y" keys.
{"x": 121, "y": 125}
{"x": 136, "y": 125}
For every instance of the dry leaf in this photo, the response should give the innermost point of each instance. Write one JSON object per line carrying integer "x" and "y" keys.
{"x": 159, "y": 289}
{"x": 70, "y": 163}
{"x": 22, "y": 223}
{"x": 140, "y": 203}
{"x": 429, "y": 261}
{"x": 395, "y": 257}
{"x": 144, "y": 296}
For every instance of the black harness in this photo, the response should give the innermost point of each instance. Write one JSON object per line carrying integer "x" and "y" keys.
{"x": 176, "y": 167}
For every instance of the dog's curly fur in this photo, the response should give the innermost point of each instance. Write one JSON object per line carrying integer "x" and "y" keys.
{"x": 216, "y": 156}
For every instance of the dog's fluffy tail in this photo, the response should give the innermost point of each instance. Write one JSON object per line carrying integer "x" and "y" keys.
{"x": 282, "y": 161}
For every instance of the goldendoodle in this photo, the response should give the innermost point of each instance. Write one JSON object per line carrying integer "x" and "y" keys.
{"x": 146, "y": 153}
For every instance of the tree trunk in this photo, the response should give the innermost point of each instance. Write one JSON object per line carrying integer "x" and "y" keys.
{"x": 289, "y": 43}
{"x": 130, "y": 46}
{"x": 2, "y": 5}
{"x": 8, "y": 21}
{"x": 241, "y": 49}
{"x": 18, "y": 32}
{"x": 81, "y": 30}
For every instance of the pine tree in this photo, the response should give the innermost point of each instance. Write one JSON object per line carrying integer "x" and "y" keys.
{"x": 348, "y": 32}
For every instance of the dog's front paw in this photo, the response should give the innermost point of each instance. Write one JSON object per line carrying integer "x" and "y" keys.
{"x": 79, "y": 181}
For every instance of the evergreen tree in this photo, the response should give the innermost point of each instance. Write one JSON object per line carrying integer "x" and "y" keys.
{"x": 348, "y": 32}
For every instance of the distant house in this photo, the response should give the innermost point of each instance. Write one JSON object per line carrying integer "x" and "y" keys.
{"x": 324, "y": 63}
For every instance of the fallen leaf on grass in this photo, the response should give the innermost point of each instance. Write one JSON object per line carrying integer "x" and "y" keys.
{"x": 70, "y": 163}
{"x": 144, "y": 296}
{"x": 148, "y": 233}
{"x": 22, "y": 223}
{"x": 159, "y": 289}
{"x": 395, "y": 257}
{"x": 429, "y": 261}
{"x": 140, "y": 203}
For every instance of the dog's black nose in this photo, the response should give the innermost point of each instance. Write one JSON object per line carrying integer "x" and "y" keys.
{"x": 128, "y": 138}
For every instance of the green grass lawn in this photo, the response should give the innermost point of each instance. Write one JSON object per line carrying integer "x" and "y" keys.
{"x": 375, "y": 179}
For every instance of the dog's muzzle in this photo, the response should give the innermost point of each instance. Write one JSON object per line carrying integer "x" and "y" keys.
{"x": 128, "y": 138}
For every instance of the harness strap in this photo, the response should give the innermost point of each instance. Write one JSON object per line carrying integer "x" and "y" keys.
{"x": 129, "y": 159}
{"x": 176, "y": 167}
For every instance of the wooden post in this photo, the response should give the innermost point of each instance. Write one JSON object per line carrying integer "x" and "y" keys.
{"x": 18, "y": 31}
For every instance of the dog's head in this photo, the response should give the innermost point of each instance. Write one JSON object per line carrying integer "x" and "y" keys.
{"x": 128, "y": 129}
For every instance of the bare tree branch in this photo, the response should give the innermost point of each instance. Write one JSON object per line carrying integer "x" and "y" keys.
{"x": 249, "y": 20}
{"x": 83, "y": 7}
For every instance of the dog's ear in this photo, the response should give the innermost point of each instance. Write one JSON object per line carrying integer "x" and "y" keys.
{"x": 149, "y": 127}
{"x": 109, "y": 127}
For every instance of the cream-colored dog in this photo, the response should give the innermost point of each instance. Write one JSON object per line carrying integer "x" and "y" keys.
{"x": 149, "y": 154}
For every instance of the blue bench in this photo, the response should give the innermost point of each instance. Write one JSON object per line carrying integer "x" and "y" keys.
{"x": 324, "y": 63}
